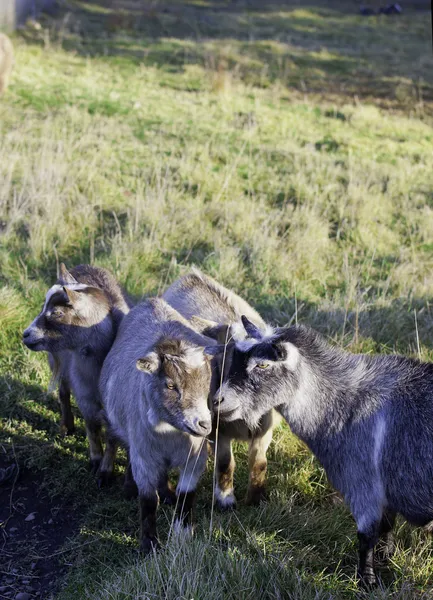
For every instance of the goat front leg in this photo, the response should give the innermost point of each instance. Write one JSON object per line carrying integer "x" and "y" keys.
{"x": 147, "y": 500}
{"x": 106, "y": 470}
{"x": 67, "y": 426}
{"x": 148, "y": 503}
{"x": 225, "y": 466}
{"x": 186, "y": 489}
{"x": 257, "y": 463}
{"x": 166, "y": 493}
{"x": 368, "y": 514}
{"x": 91, "y": 411}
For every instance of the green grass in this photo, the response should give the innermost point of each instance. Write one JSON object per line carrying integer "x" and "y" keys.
{"x": 287, "y": 151}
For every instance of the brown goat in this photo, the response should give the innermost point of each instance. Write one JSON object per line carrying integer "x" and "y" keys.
{"x": 216, "y": 312}
{"x": 77, "y": 327}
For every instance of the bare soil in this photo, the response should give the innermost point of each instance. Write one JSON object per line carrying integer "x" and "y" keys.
{"x": 33, "y": 531}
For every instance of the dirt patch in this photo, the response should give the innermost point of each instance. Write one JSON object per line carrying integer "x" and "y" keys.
{"x": 33, "y": 531}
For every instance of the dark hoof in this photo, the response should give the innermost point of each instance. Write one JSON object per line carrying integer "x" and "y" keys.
{"x": 130, "y": 490}
{"x": 167, "y": 497}
{"x": 104, "y": 479}
{"x": 255, "y": 496}
{"x": 94, "y": 465}
{"x": 65, "y": 430}
{"x": 367, "y": 580}
{"x": 148, "y": 545}
{"x": 385, "y": 550}
{"x": 225, "y": 507}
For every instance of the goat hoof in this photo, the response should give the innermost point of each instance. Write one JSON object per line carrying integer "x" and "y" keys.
{"x": 64, "y": 430}
{"x": 148, "y": 545}
{"x": 367, "y": 580}
{"x": 130, "y": 490}
{"x": 104, "y": 479}
{"x": 385, "y": 550}
{"x": 224, "y": 506}
{"x": 255, "y": 496}
{"x": 167, "y": 497}
{"x": 94, "y": 465}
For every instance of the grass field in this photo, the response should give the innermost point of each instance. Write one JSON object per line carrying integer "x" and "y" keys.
{"x": 286, "y": 148}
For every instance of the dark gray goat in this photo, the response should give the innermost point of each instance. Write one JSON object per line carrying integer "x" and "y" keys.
{"x": 368, "y": 420}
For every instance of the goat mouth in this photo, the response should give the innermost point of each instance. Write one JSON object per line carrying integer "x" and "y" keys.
{"x": 32, "y": 345}
{"x": 226, "y": 414}
{"x": 195, "y": 433}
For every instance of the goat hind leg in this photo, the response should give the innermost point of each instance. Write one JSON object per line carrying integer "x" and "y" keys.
{"x": 130, "y": 489}
{"x": 93, "y": 430}
{"x": 257, "y": 463}
{"x": 106, "y": 469}
{"x": 386, "y": 542}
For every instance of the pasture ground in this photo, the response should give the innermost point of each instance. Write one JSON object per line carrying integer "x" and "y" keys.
{"x": 284, "y": 148}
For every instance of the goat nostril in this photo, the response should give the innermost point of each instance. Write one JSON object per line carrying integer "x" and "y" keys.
{"x": 204, "y": 424}
{"x": 26, "y": 334}
{"x": 218, "y": 400}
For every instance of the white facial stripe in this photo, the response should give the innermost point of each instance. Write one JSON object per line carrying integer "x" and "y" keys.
{"x": 59, "y": 288}
{"x": 292, "y": 359}
{"x": 56, "y": 288}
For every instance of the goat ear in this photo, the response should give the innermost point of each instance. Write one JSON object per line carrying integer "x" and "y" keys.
{"x": 65, "y": 276}
{"x": 72, "y": 295}
{"x": 251, "y": 329}
{"x": 148, "y": 363}
{"x": 214, "y": 350}
{"x": 212, "y": 329}
{"x": 201, "y": 324}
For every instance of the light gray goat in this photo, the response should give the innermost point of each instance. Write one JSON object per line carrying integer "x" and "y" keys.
{"x": 217, "y": 312}
{"x": 77, "y": 326}
{"x": 368, "y": 420}
{"x": 155, "y": 385}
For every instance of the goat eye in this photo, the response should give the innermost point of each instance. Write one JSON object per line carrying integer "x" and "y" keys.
{"x": 57, "y": 314}
{"x": 170, "y": 385}
{"x": 262, "y": 365}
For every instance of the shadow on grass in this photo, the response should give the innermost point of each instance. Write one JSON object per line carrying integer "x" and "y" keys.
{"x": 317, "y": 47}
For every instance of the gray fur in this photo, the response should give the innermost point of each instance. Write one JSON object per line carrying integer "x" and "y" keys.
{"x": 156, "y": 348}
{"x": 217, "y": 311}
{"x": 368, "y": 419}
{"x": 77, "y": 326}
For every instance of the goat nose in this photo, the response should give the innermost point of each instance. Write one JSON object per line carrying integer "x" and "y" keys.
{"x": 203, "y": 426}
{"x": 26, "y": 333}
{"x": 218, "y": 399}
